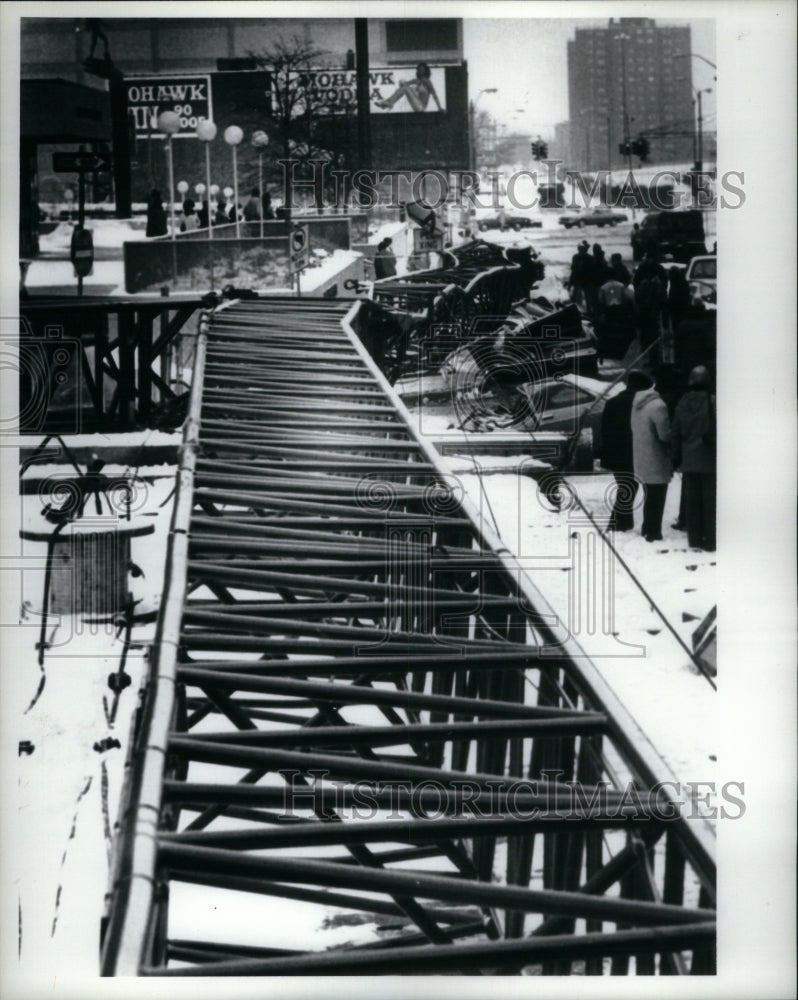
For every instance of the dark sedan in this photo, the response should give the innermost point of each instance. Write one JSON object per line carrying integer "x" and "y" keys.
{"x": 596, "y": 217}
{"x": 515, "y": 222}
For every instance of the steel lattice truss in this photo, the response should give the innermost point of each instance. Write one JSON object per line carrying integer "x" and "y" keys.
{"x": 337, "y": 628}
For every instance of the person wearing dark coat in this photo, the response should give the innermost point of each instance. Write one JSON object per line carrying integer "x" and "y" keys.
{"x": 616, "y": 450}
{"x": 693, "y": 449}
{"x": 619, "y": 270}
{"x": 678, "y": 297}
{"x": 580, "y": 280}
{"x": 384, "y": 260}
{"x": 156, "y": 215}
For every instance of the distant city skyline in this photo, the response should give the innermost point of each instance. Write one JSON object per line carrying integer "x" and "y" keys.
{"x": 525, "y": 59}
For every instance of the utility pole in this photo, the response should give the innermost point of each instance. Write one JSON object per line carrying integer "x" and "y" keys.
{"x": 362, "y": 88}
{"x": 626, "y": 136}
{"x": 700, "y": 156}
{"x": 120, "y": 126}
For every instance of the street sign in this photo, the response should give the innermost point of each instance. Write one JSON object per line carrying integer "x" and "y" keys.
{"x": 80, "y": 161}
{"x": 424, "y": 241}
{"x": 299, "y": 248}
{"x": 81, "y": 252}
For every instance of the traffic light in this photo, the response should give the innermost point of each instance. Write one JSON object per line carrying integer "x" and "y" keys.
{"x": 641, "y": 147}
{"x": 624, "y": 148}
{"x": 540, "y": 150}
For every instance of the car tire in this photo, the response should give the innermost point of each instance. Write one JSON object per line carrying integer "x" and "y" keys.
{"x": 614, "y": 223}
{"x": 580, "y": 224}
{"x": 482, "y": 227}
{"x": 517, "y": 227}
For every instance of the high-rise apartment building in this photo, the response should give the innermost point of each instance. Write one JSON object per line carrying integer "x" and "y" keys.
{"x": 630, "y": 79}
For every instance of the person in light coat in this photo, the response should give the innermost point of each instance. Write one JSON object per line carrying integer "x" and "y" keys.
{"x": 651, "y": 444}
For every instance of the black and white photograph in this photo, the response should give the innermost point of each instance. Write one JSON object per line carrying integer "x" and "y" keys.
{"x": 397, "y": 412}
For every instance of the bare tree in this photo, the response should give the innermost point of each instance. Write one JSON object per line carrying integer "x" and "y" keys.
{"x": 305, "y": 126}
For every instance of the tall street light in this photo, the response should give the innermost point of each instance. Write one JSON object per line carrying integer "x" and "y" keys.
{"x": 260, "y": 141}
{"x": 699, "y": 163}
{"x": 696, "y": 55}
{"x": 586, "y": 130}
{"x": 623, "y": 39}
{"x": 169, "y": 123}
{"x": 206, "y": 133}
{"x": 471, "y": 124}
{"x": 233, "y": 136}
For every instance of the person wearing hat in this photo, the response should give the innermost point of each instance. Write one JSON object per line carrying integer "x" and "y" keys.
{"x": 616, "y": 450}
{"x": 693, "y": 449}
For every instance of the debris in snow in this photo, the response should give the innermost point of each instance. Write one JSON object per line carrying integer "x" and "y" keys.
{"x": 25, "y": 747}
{"x": 117, "y": 682}
{"x": 109, "y": 743}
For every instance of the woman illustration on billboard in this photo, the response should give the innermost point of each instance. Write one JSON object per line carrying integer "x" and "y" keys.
{"x": 417, "y": 91}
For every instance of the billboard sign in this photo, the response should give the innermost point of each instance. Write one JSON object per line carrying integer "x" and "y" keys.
{"x": 188, "y": 96}
{"x": 392, "y": 90}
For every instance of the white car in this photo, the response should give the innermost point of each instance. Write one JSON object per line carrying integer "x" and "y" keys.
{"x": 702, "y": 277}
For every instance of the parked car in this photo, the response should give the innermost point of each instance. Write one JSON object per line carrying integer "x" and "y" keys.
{"x": 702, "y": 277}
{"x": 679, "y": 233}
{"x": 569, "y": 403}
{"x": 595, "y": 217}
{"x": 516, "y": 222}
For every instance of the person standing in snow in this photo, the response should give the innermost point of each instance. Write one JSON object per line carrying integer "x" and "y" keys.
{"x": 693, "y": 448}
{"x": 156, "y": 215}
{"x": 651, "y": 443}
{"x": 384, "y": 260}
{"x": 581, "y": 276}
{"x": 616, "y": 450}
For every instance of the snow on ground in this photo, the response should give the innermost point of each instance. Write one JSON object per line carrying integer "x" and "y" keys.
{"x": 74, "y": 740}
{"x": 601, "y": 606}
{"x": 607, "y": 601}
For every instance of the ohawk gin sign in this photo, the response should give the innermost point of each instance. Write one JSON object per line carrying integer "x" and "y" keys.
{"x": 188, "y": 96}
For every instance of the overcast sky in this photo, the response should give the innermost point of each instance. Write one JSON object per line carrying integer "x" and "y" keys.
{"x": 526, "y": 60}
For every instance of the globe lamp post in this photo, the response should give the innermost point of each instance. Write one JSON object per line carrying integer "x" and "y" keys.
{"x": 206, "y": 133}
{"x": 169, "y": 123}
{"x": 233, "y": 136}
{"x": 260, "y": 141}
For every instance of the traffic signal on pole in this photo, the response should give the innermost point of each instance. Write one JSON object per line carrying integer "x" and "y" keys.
{"x": 624, "y": 148}
{"x": 641, "y": 147}
{"x": 540, "y": 150}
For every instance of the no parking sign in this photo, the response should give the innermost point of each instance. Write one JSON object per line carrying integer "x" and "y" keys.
{"x": 299, "y": 248}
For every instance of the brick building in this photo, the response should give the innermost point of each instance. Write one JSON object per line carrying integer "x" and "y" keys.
{"x": 638, "y": 65}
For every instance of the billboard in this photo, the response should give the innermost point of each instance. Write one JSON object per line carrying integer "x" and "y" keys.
{"x": 189, "y": 96}
{"x": 392, "y": 89}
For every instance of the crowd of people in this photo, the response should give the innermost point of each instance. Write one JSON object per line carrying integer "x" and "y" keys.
{"x": 192, "y": 217}
{"x": 622, "y": 306}
{"x": 649, "y": 430}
